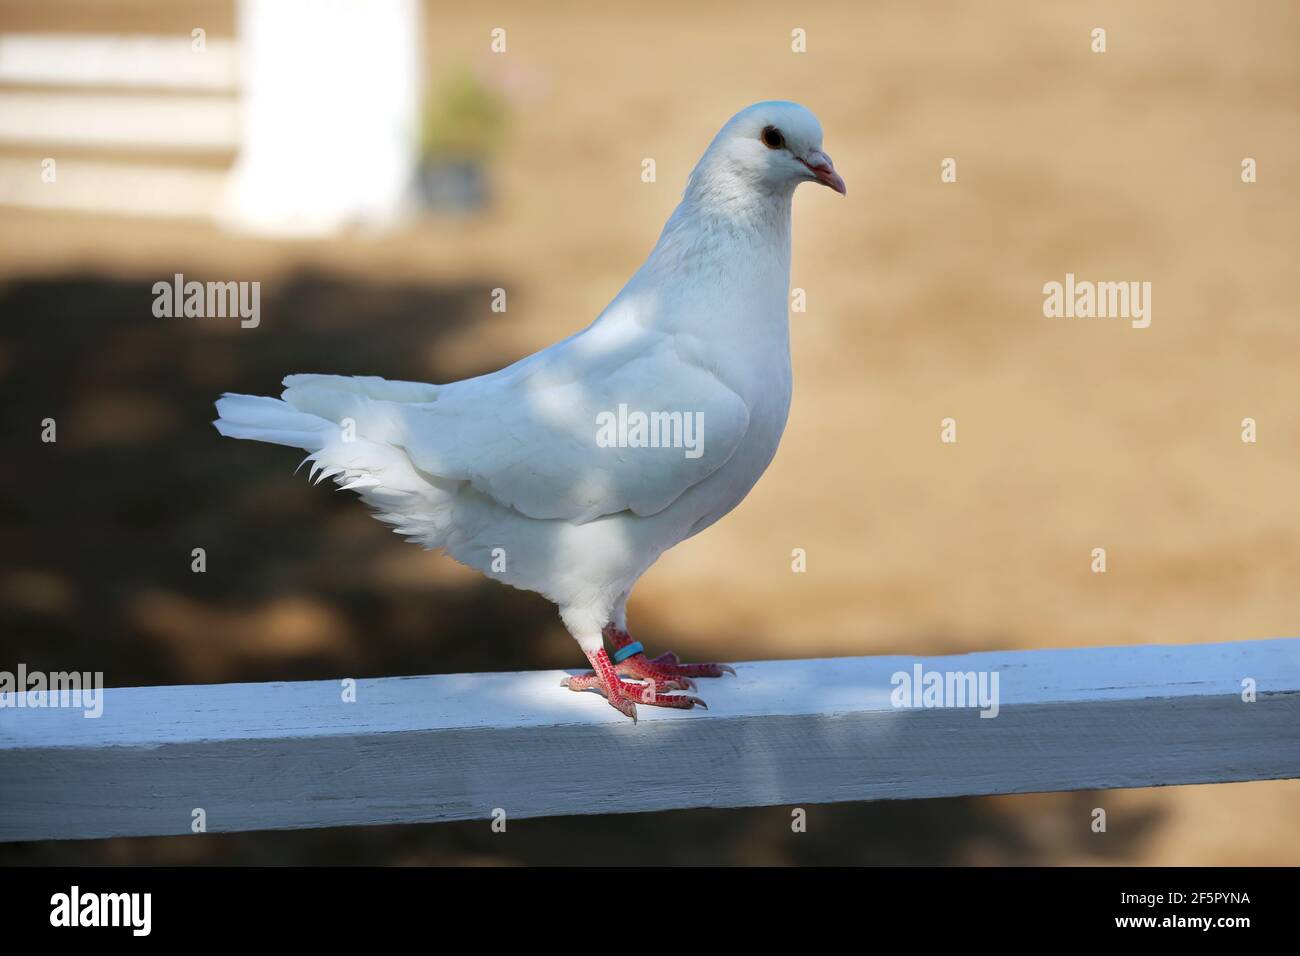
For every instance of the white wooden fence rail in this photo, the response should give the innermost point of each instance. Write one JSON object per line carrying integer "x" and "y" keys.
{"x": 90, "y": 60}
{"x": 457, "y": 747}
{"x": 317, "y": 104}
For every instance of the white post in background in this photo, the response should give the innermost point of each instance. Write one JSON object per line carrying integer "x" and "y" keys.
{"x": 331, "y": 94}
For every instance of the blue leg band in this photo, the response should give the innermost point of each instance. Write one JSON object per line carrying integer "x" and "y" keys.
{"x": 624, "y": 653}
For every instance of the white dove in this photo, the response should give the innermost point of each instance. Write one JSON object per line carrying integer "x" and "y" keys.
{"x": 571, "y": 471}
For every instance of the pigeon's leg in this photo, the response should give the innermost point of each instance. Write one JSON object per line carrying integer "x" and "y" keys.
{"x": 666, "y": 669}
{"x": 623, "y": 695}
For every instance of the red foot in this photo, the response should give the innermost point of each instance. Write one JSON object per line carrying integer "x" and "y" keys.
{"x": 664, "y": 667}
{"x": 664, "y": 672}
{"x": 623, "y": 695}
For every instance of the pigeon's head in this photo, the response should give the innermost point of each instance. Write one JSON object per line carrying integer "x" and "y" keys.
{"x": 772, "y": 146}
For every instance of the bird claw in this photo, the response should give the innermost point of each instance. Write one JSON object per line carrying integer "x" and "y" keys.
{"x": 629, "y": 694}
{"x": 666, "y": 668}
{"x": 645, "y": 679}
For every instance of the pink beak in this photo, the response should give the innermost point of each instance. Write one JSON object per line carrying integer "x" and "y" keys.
{"x": 819, "y": 164}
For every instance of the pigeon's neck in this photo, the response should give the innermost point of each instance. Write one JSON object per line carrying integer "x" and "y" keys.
{"x": 728, "y": 229}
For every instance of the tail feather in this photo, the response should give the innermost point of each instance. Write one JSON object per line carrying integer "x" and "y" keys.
{"x": 363, "y": 460}
{"x": 371, "y": 386}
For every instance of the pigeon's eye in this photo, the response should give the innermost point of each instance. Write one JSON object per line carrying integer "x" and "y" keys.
{"x": 772, "y": 138}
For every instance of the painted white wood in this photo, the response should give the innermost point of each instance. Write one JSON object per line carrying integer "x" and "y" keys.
{"x": 155, "y": 122}
{"x": 123, "y": 189}
{"x": 454, "y": 747}
{"x": 331, "y": 103}
{"x": 87, "y": 59}
{"x": 105, "y": 93}
{"x": 318, "y": 102}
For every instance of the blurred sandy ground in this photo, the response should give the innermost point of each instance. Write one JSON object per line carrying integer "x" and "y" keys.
{"x": 924, "y": 301}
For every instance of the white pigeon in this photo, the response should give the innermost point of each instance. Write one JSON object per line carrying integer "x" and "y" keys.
{"x": 571, "y": 471}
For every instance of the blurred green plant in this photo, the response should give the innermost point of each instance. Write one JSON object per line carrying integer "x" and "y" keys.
{"x": 464, "y": 120}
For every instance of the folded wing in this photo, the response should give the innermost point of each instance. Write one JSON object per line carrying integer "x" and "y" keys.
{"x": 593, "y": 428}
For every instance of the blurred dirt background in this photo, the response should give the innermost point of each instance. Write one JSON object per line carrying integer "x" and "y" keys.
{"x": 924, "y": 301}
